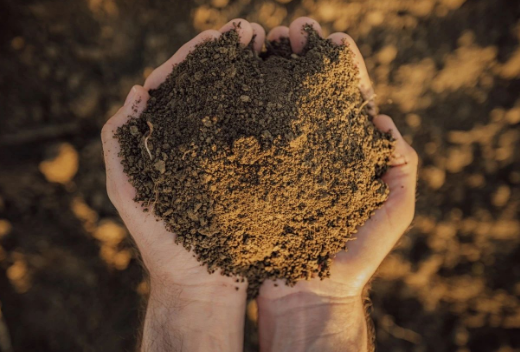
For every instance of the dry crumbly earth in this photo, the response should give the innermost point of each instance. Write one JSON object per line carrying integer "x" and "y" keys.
{"x": 448, "y": 71}
{"x": 263, "y": 167}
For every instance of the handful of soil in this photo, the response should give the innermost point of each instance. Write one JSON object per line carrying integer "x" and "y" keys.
{"x": 263, "y": 166}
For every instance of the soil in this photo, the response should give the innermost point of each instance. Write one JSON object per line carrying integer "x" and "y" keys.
{"x": 264, "y": 167}
{"x": 446, "y": 71}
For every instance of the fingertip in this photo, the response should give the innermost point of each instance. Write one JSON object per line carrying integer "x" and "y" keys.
{"x": 258, "y": 37}
{"x": 243, "y": 28}
{"x": 298, "y": 35}
{"x": 278, "y": 33}
{"x": 339, "y": 38}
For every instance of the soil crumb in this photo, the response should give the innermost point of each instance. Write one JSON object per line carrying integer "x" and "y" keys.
{"x": 263, "y": 165}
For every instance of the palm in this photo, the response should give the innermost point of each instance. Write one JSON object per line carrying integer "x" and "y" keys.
{"x": 352, "y": 269}
{"x": 161, "y": 255}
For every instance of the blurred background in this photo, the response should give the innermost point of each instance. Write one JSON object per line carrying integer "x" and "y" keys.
{"x": 448, "y": 72}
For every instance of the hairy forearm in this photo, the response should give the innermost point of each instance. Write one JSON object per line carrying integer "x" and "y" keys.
{"x": 192, "y": 319}
{"x": 307, "y": 322}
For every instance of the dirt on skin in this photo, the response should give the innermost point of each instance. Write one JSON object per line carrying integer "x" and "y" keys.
{"x": 263, "y": 166}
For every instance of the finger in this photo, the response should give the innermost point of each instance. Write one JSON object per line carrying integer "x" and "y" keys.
{"x": 160, "y": 73}
{"x": 381, "y": 232}
{"x": 297, "y": 34}
{"x": 365, "y": 85}
{"x": 243, "y": 28}
{"x": 258, "y": 37}
{"x": 120, "y": 191}
{"x": 277, "y": 33}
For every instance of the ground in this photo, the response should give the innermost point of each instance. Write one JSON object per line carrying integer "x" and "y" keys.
{"x": 448, "y": 72}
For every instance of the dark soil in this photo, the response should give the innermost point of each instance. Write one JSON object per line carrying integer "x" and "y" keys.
{"x": 264, "y": 167}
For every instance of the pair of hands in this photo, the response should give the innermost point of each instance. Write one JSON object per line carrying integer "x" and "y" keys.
{"x": 192, "y": 309}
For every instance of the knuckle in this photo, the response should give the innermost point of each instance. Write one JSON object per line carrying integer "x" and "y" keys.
{"x": 257, "y": 28}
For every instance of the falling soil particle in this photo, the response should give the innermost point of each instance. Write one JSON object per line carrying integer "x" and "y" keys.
{"x": 264, "y": 166}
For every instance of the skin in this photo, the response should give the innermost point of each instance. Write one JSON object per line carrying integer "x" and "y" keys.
{"x": 329, "y": 314}
{"x": 189, "y": 309}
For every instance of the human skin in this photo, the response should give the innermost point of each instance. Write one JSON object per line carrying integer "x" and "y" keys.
{"x": 192, "y": 310}
{"x": 188, "y": 308}
{"x": 328, "y": 315}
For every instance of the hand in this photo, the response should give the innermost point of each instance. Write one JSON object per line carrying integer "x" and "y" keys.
{"x": 185, "y": 299}
{"x": 320, "y": 314}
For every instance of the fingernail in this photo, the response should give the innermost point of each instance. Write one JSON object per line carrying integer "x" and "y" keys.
{"x": 131, "y": 96}
{"x": 397, "y": 160}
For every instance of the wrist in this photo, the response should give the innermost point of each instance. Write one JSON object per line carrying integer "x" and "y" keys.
{"x": 304, "y": 321}
{"x": 194, "y": 317}
{"x": 219, "y": 292}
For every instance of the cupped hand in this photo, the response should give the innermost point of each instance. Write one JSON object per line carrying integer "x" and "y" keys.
{"x": 188, "y": 308}
{"x": 351, "y": 269}
{"x": 167, "y": 262}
